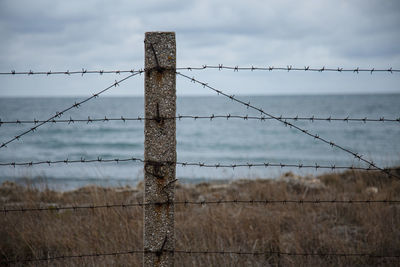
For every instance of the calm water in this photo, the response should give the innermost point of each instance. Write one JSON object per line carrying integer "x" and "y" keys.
{"x": 217, "y": 141}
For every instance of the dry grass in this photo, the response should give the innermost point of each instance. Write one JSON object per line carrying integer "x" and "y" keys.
{"x": 305, "y": 228}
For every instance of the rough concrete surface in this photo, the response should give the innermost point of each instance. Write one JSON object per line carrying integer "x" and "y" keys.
{"x": 160, "y": 146}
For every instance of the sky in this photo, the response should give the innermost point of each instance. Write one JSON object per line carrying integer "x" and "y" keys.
{"x": 46, "y": 35}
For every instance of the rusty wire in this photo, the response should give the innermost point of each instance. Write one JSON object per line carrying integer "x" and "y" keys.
{"x": 54, "y": 208}
{"x": 82, "y": 72}
{"x": 291, "y": 125}
{"x": 99, "y": 159}
{"x": 289, "y": 68}
{"x": 208, "y": 251}
{"x": 312, "y": 118}
{"x": 75, "y": 105}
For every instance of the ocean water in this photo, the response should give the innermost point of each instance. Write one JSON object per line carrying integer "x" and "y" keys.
{"x": 223, "y": 141}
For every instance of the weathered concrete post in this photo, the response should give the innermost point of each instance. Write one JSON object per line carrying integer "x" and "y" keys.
{"x": 159, "y": 148}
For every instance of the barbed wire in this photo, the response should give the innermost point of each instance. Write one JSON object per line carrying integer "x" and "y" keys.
{"x": 99, "y": 159}
{"x": 82, "y": 72}
{"x": 312, "y": 118}
{"x": 208, "y": 251}
{"x": 289, "y": 68}
{"x": 59, "y": 114}
{"x": 53, "y": 208}
{"x": 291, "y": 125}
{"x": 64, "y": 257}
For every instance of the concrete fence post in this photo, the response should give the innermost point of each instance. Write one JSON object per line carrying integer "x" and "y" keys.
{"x": 159, "y": 148}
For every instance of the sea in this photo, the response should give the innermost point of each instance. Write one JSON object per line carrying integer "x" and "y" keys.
{"x": 210, "y": 141}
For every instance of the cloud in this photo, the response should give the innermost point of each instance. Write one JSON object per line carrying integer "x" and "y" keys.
{"x": 109, "y": 34}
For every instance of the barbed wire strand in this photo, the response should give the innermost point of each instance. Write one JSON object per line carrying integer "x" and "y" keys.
{"x": 59, "y": 114}
{"x": 82, "y": 72}
{"x": 312, "y": 118}
{"x": 289, "y": 68}
{"x": 315, "y": 136}
{"x": 99, "y": 159}
{"x": 53, "y": 208}
{"x": 207, "y": 251}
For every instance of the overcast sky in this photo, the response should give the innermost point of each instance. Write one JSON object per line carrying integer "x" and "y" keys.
{"x": 71, "y": 35}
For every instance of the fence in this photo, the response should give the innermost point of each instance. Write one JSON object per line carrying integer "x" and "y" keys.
{"x": 159, "y": 160}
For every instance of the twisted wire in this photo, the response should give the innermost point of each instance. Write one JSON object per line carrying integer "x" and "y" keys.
{"x": 200, "y": 117}
{"x": 315, "y": 166}
{"x": 207, "y": 251}
{"x": 54, "y": 208}
{"x": 289, "y": 68}
{"x": 59, "y": 114}
{"x": 82, "y": 72}
{"x": 291, "y": 125}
